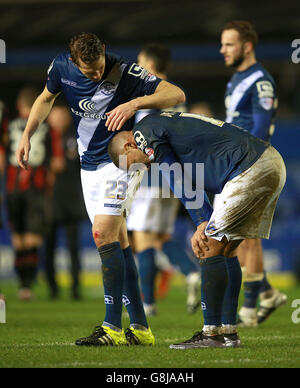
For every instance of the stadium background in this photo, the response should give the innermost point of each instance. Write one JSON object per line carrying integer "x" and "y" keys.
{"x": 34, "y": 33}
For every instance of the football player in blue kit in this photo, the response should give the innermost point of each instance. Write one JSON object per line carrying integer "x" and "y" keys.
{"x": 251, "y": 103}
{"x": 234, "y": 163}
{"x": 104, "y": 91}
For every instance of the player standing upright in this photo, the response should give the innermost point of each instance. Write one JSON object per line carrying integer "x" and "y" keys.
{"x": 251, "y": 103}
{"x": 25, "y": 193}
{"x": 65, "y": 200}
{"x": 3, "y": 128}
{"x": 104, "y": 92}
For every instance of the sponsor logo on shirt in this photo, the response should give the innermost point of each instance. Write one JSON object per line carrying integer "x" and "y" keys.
{"x": 68, "y": 82}
{"x": 265, "y": 89}
{"x": 89, "y": 110}
{"x": 87, "y": 105}
{"x": 149, "y": 152}
{"x": 113, "y": 205}
{"x": 266, "y": 103}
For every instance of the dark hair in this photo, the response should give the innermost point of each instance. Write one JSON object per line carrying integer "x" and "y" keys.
{"x": 245, "y": 29}
{"x": 160, "y": 54}
{"x": 87, "y": 47}
{"x": 115, "y": 146}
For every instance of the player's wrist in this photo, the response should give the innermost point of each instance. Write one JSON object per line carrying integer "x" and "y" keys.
{"x": 27, "y": 135}
{"x": 137, "y": 104}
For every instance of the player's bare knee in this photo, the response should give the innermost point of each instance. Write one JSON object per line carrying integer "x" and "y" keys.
{"x": 102, "y": 238}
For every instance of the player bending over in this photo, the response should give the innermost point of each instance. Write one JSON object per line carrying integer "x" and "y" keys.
{"x": 249, "y": 175}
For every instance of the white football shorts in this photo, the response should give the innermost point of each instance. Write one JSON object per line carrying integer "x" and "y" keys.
{"x": 109, "y": 190}
{"x": 245, "y": 207}
{"x": 149, "y": 214}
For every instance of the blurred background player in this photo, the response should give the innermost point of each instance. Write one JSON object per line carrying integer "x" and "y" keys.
{"x": 152, "y": 220}
{"x": 251, "y": 103}
{"x": 26, "y": 193}
{"x": 66, "y": 207}
{"x": 3, "y": 128}
{"x": 201, "y": 108}
{"x": 104, "y": 92}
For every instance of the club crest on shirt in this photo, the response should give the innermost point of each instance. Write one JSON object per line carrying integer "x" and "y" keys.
{"x": 266, "y": 103}
{"x": 107, "y": 88}
{"x": 140, "y": 140}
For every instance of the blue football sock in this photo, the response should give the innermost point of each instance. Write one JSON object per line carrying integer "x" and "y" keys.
{"x": 113, "y": 281}
{"x": 214, "y": 279}
{"x": 178, "y": 257}
{"x": 251, "y": 291}
{"x": 232, "y": 293}
{"x": 132, "y": 295}
{"x": 148, "y": 271}
{"x": 265, "y": 285}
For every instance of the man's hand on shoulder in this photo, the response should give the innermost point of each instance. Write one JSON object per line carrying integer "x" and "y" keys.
{"x": 119, "y": 115}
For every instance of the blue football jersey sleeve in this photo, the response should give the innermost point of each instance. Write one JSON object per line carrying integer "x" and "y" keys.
{"x": 251, "y": 101}
{"x": 138, "y": 81}
{"x": 263, "y": 96}
{"x": 54, "y": 79}
{"x": 263, "y": 108}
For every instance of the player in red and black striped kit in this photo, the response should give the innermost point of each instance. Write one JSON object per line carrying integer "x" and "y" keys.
{"x": 3, "y": 129}
{"x": 26, "y": 192}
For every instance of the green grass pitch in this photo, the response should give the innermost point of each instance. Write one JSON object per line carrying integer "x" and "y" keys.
{"x": 41, "y": 334}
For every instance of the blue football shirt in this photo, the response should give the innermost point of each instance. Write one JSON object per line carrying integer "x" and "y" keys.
{"x": 89, "y": 101}
{"x": 251, "y": 102}
{"x": 225, "y": 149}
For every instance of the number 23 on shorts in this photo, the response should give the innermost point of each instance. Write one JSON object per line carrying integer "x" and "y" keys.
{"x": 116, "y": 189}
